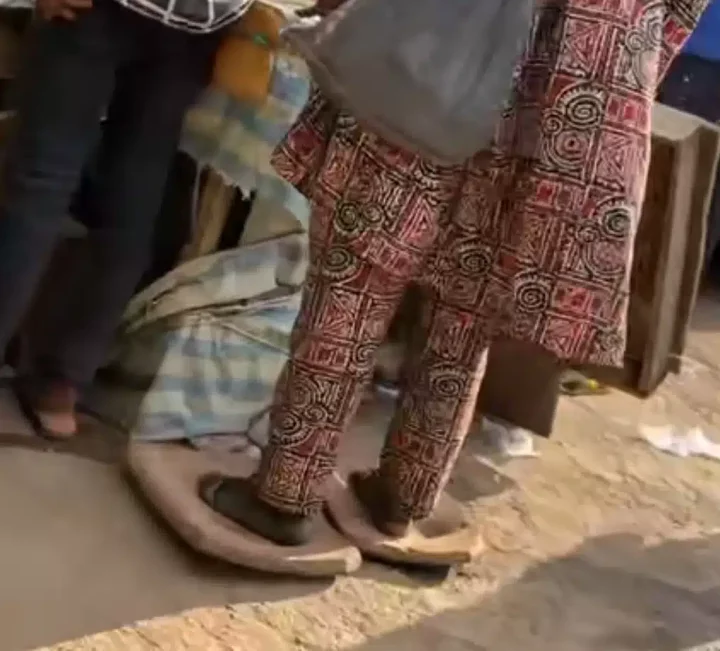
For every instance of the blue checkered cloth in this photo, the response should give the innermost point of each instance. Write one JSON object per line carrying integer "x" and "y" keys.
{"x": 236, "y": 139}
{"x": 200, "y": 350}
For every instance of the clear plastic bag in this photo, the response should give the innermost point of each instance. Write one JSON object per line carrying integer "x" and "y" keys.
{"x": 428, "y": 75}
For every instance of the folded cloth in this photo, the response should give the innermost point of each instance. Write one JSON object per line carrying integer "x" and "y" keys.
{"x": 200, "y": 350}
{"x": 236, "y": 138}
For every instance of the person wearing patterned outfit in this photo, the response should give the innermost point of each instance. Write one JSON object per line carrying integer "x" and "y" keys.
{"x": 530, "y": 240}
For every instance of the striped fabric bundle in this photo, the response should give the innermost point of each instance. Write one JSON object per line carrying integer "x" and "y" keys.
{"x": 201, "y": 349}
{"x": 236, "y": 138}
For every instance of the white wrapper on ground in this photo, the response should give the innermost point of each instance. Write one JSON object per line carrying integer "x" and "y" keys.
{"x": 508, "y": 440}
{"x": 681, "y": 442}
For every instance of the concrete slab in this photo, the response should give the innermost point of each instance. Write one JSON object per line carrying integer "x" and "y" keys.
{"x": 601, "y": 544}
{"x": 79, "y": 555}
{"x": 11, "y": 420}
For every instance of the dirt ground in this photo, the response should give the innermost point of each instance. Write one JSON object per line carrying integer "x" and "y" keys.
{"x": 600, "y": 544}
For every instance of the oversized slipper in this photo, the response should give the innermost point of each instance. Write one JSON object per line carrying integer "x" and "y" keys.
{"x": 47, "y": 422}
{"x": 443, "y": 539}
{"x": 173, "y": 475}
{"x": 234, "y": 498}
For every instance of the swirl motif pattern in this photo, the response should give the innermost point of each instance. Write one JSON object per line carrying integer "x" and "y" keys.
{"x": 530, "y": 240}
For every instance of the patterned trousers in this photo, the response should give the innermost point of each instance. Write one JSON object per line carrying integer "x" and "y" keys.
{"x": 349, "y": 301}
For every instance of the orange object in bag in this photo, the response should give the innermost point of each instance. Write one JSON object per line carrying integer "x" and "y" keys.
{"x": 244, "y": 60}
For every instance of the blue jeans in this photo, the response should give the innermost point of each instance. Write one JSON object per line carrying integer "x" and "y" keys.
{"x": 142, "y": 76}
{"x": 693, "y": 85}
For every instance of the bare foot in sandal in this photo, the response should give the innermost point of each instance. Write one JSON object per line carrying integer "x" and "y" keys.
{"x": 49, "y": 406}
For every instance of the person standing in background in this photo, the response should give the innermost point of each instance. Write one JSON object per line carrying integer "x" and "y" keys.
{"x": 139, "y": 65}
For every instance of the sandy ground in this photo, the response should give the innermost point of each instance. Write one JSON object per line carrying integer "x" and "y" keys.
{"x": 601, "y": 544}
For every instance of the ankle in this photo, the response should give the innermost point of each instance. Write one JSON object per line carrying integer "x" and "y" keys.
{"x": 238, "y": 500}
{"x": 53, "y": 394}
{"x": 380, "y": 503}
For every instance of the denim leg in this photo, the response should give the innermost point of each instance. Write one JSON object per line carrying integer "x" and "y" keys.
{"x": 139, "y": 142}
{"x": 67, "y": 83}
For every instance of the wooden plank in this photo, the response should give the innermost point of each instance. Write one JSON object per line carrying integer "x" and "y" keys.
{"x": 671, "y": 262}
{"x": 702, "y": 196}
{"x": 215, "y": 203}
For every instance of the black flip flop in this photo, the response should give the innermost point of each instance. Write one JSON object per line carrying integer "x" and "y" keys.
{"x": 234, "y": 499}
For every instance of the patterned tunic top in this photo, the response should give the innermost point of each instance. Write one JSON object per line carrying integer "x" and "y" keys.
{"x": 536, "y": 232}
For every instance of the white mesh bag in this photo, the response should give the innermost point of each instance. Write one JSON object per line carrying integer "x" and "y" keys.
{"x": 200, "y": 16}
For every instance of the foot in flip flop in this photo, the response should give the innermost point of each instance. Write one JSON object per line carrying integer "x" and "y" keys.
{"x": 236, "y": 499}
{"x": 376, "y": 499}
{"x": 49, "y": 406}
{"x": 368, "y": 512}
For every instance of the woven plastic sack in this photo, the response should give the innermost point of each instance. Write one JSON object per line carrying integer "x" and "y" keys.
{"x": 428, "y": 75}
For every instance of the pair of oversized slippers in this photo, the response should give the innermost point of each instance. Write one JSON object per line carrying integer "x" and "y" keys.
{"x": 168, "y": 474}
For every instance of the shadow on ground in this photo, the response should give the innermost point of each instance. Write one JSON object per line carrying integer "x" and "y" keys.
{"x": 611, "y": 594}
{"x": 80, "y": 552}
